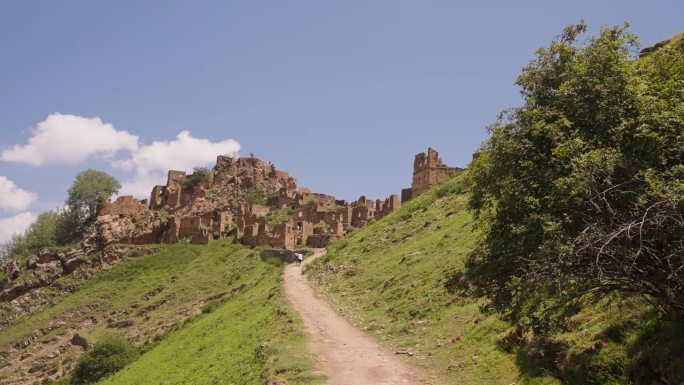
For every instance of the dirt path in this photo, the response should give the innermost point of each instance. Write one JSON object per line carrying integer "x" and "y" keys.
{"x": 347, "y": 355}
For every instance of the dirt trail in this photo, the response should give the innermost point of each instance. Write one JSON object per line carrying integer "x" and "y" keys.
{"x": 347, "y": 355}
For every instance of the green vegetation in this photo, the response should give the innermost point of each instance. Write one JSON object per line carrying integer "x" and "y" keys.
{"x": 41, "y": 233}
{"x": 580, "y": 191}
{"x": 256, "y": 197}
{"x": 90, "y": 188}
{"x": 66, "y": 226}
{"x": 279, "y": 216}
{"x": 199, "y": 175}
{"x": 403, "y": 279}
{"x": 108, "y": 356}
{"x": 322, "y": 225}
{"x": 212, "y": 194}
{"x": 246, "y": 333}
{"x": 392, "y": 279}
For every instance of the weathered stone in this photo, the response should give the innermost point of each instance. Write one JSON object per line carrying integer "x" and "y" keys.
{"x": 44, "y": 256}
{"x": 71, "y": 264}
{"x": 32, "y": 263}
{"x": 251, "y": 200}
{"x": 120, "y": 324}
{"x": 428, "y": 170}
{"x": 12, "y": 270}
{"x": 16, "y": 290}
{"x": 78, "y": 340}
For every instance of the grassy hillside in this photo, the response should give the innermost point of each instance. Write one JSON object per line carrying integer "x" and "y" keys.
{"x": 392, "y": 277}
{"x": 199, "y": 314}
{"x": 395, "y": 279}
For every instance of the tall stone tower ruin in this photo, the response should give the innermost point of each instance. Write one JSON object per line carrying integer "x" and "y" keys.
{"x": 428, "y": 170}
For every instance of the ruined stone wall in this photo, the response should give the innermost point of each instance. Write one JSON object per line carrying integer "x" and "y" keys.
{"x": 428, "y": 171}
{"x": 384, "y": 208}
{"x": 157, "y": 197}
{"x": 406, "y": 194}
{"x": 123, "y": 206}
{"x": 217, "y": 207}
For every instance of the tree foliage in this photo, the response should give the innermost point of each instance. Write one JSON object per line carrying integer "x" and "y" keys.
{"x": 41, "y": 233}
{"x": 581, "y": 189}
{"x": 65, "y": 226}
{"x": 90, "y": 188}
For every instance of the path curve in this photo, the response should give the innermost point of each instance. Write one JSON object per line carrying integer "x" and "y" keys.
{"x": 347, "y": 355}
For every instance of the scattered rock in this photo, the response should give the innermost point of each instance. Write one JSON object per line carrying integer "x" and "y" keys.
{"x": 407, "y": 352}
{"x": 16, "y": 290}
{"x": 121, "y": 324}
{"x": 78, "y": 340}
{"x": 44, "y": 255}
{"x": 71, "y": 264}
{"x": 13, "y": 270}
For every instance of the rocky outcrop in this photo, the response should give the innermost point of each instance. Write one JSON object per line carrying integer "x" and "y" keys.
{"x": 46, "y": 266}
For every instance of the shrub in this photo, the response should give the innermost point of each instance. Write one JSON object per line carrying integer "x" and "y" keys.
{"x": 3, "y": 278}
{"x": 256, "y": 197}
{"x": 212, "y": 305}
{"x": 199, "y": 175}
{"x": 108, "y": 356}
{"x": 277, "y": 217}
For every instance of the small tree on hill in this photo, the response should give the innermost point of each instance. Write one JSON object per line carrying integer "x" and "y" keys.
{"x": 90, "y": 188}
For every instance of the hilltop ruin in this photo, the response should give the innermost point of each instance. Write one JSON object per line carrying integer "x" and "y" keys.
{"x": 252, "y": 201}
{"x": 428, "y": 170}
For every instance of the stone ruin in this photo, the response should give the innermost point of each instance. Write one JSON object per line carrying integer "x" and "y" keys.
{"x": 250, "y": 200}
{"x": 428, "y": 170}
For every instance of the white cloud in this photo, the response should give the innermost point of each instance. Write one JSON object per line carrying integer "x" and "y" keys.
{"x": 12, "y": 198}
{"x": 14, "y": 225}
{"x": 70, "y": 139}
{"x": 152, "y": 162}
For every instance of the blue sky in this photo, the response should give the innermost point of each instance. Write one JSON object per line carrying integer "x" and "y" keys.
{"x": 340, "y": 93}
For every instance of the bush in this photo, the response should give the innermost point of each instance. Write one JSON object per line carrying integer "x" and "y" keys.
{"x": 256, "y": 197}
{"x": 277, "y": 217}
{"x": 108, "y": 356}
{"x": 3, "y": 278}
{"x": 212, "y": 305}
{"x": 199, "y": 175}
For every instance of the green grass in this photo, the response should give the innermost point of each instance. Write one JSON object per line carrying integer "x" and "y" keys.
{"x": 245, "y": 340}
{"x": 391, "y": 278}
{"x": 394, "y": 279}
{"x": 246, "y": 334}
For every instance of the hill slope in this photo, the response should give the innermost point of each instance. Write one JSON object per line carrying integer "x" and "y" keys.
{"x": 198, "y": 313}
{"x": 399, "y": 280}
{"x": 391, "y": 279}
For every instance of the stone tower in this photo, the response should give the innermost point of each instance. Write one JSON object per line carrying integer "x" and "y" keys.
{"x": 428, "y": 170}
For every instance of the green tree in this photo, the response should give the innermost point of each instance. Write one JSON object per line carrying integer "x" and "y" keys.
{"x": 580, "y": 190}
{"x": 41, "y": 233}
{"x": 13, "y": 246}
{"x": 70, "y": 225}
{"x": 90, "y": 188}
